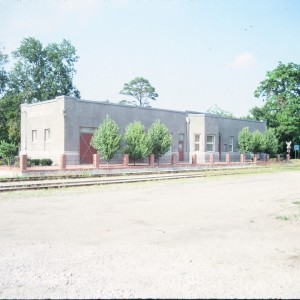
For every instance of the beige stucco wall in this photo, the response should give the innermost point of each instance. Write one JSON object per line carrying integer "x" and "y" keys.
{"x": 196, "y": 125}
{"x": 41, "y": 116}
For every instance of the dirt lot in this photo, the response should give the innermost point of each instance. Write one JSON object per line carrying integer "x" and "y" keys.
{"x": 224, "y": 237}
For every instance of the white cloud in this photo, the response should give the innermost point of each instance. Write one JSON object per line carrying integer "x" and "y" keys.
{"x": 244, "y": 60}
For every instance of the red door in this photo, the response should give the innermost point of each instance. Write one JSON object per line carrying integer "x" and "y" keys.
{"x": 86, "y": 150}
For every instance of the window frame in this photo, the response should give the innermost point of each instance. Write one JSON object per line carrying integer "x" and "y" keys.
{"x": 197, "y": 142}
{"x": 47, "y": 135}
{"x": 231, "y": 142}
{"x": 213, "y": 143}
{"x": 34, "y": 135}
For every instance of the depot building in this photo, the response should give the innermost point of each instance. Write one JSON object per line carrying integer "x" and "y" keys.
{"x": 65, "y": 125}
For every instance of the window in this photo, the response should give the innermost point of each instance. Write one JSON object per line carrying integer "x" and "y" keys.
{"x": 197, "y": 142}
{"x": 34, "y": 136}
{"x": 231, "y": 144}
{"x": 210, "y": 143}
{"x": 47, "y": 135}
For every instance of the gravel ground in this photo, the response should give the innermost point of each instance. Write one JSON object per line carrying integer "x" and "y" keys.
{"x": 224, "y": 237}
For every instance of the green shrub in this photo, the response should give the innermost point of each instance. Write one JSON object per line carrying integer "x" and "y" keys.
{"x": 39, "y": 162}
{"x": 46, "y": 162}
{"x": 7, "y": 152}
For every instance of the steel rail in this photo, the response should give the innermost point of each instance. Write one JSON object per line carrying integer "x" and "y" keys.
{"x": 77, "y": 182}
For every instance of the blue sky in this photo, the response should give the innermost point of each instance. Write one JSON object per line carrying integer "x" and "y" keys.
{"x": 196, "y": 54}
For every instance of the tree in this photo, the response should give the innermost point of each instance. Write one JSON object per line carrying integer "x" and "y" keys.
{"x": 107, "y": 139}
{"x": 159, "y": 139}
{"x": 257, "y": 143}
{"x": 271, "y": 142}
{"x": 10, "y": 118}
{"x": 38, "y": 74}
{"x": 3, "y": 73}
{"x": 135, "y": 141}
{"x": 41, "y": 74}
{"x": 244, "y": 140}
{"x": 141, "y": 90}
{"x": 216, "y": 110}
{"x": 7, "y": 151}
{"x": 281, "y": 93}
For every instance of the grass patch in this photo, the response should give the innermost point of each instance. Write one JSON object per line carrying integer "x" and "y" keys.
{"x": 283, "y": 218}
{"x": 296, "y": 202}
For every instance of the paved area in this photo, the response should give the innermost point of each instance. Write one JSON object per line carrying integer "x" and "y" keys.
{"x": 224, "y": 237}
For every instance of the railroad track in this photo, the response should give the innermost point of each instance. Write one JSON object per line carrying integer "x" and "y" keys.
{"x": 37, "y": 183}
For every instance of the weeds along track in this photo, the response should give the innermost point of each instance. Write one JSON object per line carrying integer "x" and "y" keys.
{"x": 32, "y": 183}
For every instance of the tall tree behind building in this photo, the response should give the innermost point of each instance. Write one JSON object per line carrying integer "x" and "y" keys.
{"x": 38, "y": 74}
{"x": 281, "y": 93}
{"x": 140, "y": 90}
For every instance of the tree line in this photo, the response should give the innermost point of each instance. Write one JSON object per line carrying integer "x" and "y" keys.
{"x": 136, "y": 142}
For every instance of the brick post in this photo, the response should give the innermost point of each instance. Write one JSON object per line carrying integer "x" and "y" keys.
{"x": 96, "y": 161}
{"x": 268, "y": 157}
{"x": 242, "y": 159}
{"x": 23, "y": 162}
{"x": 255, "y": 158}
{"x": 194, "y": 159}
{"x": 288, "y": 158}
{"x": 278, "y": 157}
{"x": 125, "y": 160}
{"x": 63, "y": 161}
{"x": 174, "y": 159}
{"x": 227, "y": 158}
{"x": 151, "y": 160}
{"x": 212, "y": 158}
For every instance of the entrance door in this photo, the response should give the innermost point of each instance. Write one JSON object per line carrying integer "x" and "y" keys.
{"x": 181, "y": 147}
{"x": 86, "y": 150}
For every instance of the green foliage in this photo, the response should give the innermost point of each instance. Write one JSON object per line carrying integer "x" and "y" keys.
{"x": 257, "y": 142}
{"x": 159, "y": 139}
{"x": 107, "y": 139}
{"x": 43, "y": 73}
{"x": 3, "y": 73}
{"x": 38, "y": 74}
{"x": 281, "y": 93}
{"x": 39, "y": 162}
{"x": 135, "y": 141}
{"x": 10, "y": 118}
{"x": 271, "y": 142}
{"x": 244, "y": 140}
{"x": 216, "y": 110}
{"x": 141, "y": 90}
{"x": 7, "y": 151}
